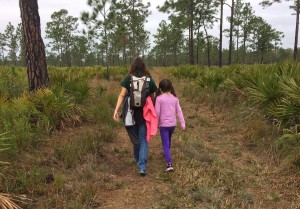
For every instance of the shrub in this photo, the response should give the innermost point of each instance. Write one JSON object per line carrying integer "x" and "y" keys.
{"x": 3, "y": 147}
{"x": 15, "y": 118}
{"x": 12, "y": 81}
{"x": 55, "y": 110}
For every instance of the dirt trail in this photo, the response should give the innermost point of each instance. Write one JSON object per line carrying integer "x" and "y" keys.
{"x": 261, "y": 186}
{"x": 136, "y": 191}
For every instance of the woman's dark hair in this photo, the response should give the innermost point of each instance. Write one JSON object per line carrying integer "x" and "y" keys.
{"x": 165, "y": 85}
{"x": 138, "y": 64}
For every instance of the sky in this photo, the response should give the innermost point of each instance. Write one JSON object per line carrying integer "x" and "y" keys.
{"x": 278, "y": 15}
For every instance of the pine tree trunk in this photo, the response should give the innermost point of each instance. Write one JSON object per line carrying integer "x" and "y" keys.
{"x": 230, "y": 34}
{"x": 237, "y": 49}
{"x": 221, "y": 34}
{"x": 191, "y": 35}
{"x": 34, "y": 45}
{"x": 175, "y": 55}
{"x": 208, "y": 46}
{"x": 297, "y": 30}
{"x": 244, "y": 45}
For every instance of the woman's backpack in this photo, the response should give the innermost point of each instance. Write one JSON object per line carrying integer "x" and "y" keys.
{"x": 127, "y": 112}
{"x": 139, "y": 91}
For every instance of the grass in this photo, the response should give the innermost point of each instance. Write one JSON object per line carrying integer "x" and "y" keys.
{"x": 62, "y": 160}
{"x": 75, "y": 169}
{"x": 214, "y": 173}
{"x": 225, "y": 159}
{"x": 73, "y": 152}
{"x": 59, "y": 181}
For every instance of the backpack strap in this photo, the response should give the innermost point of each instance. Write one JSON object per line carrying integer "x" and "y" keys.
{"x": 147, "y": 82}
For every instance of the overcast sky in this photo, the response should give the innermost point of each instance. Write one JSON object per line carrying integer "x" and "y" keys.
{"x": 278, "y": 15}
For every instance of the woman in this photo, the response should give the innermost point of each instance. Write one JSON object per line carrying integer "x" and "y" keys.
{"x": 137, "y": 132}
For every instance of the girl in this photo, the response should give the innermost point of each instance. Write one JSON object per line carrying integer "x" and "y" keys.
{"x": 137, "y": 132}
{"x": 166, "y": 107}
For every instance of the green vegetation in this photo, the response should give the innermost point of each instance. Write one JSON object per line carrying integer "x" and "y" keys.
{"x": 63, "y": 140}
{"x": 3, "y": 147}
{"x": 273, "y": 90}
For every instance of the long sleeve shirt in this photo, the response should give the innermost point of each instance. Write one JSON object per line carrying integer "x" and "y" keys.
{"x": 167, "y": 107}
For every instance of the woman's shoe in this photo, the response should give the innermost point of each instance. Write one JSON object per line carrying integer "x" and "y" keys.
{"x": 142, "y": 172}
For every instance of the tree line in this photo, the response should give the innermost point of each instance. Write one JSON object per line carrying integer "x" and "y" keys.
{"x": 114, "y": 33}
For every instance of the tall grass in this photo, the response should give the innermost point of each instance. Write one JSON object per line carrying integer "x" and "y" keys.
{"x": 13, "y": 81}
{"x": 72, "y": 81}
{"x": 55, "y": 110}
{"x": 3, "y": 147}
{"x": 272, "y": 89}
{"x": 29, "y": 117}
{"x": 34, "y": 120}
{"x": 15, "y": 119}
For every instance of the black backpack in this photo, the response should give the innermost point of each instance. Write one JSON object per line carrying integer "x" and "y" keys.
{"x": 127, "y": 112}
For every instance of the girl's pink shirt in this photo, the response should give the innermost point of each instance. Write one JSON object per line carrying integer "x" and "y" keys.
{"x": 167, "y": 107}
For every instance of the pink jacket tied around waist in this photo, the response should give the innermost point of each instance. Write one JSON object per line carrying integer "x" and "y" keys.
{"x": 150, "y": 118}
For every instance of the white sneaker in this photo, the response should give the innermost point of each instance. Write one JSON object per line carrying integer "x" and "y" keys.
{"x": 169, "y": 168}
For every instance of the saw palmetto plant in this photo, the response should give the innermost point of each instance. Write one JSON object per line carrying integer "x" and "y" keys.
{"x": 286, "y": 110}
{"x": 3, "y": 146}
{"x": 6, "y": 201}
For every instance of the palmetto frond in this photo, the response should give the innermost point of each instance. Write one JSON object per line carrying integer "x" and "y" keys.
{"x": 6, "y": 202}
{"x": 3, "y": 146}
{"x": 287, "y": 109}
{"x": 262, "y": 88}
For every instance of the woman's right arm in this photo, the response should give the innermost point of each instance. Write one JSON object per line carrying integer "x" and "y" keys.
{"x": 119, "y": 102}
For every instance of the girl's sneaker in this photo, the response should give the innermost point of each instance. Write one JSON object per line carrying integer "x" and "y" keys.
{"x": 169, "y": 168}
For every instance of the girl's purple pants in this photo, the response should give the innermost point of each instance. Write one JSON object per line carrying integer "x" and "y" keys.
{"x": 166, "y": 138}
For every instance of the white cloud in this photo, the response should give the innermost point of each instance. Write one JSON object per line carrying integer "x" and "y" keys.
{"x": 278, "y": 15}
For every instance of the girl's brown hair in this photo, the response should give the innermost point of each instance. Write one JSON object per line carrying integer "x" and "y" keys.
{"x": 138, "y": 64}
{"x": 165, "y": 85}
